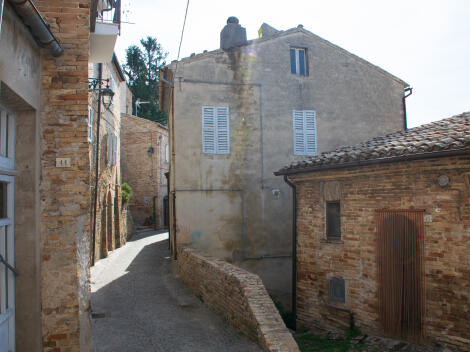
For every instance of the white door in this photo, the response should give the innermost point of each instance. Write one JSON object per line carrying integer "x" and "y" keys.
{"x": 7, "y": 239}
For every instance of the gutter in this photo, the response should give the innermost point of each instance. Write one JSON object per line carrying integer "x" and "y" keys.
{"x": 38, "y": 27}
{"x": 116, "y": 63}
{"x": 446, "y": 153}
{"x": 294, "y": 250}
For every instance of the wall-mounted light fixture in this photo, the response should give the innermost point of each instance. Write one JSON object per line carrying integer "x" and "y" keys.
{"x": 105, "y": 95}
{"x": 150, "y": 150}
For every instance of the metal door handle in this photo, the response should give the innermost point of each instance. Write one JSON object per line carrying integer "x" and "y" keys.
{"x": 2, "y": 260}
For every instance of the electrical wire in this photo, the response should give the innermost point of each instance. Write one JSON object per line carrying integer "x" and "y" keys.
{"x": 182, "y": 33}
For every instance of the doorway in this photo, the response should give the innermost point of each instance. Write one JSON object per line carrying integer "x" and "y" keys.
{"x": 400, "y": 272}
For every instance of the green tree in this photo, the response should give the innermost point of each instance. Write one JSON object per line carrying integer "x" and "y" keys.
{"x": 141, "y": 68}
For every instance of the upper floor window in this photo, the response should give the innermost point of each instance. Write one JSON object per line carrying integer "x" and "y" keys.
{"x": 112, "y": 148}
{"x": 298, "y": 61}
{"x": 7, "y": 140}
{"x": 215, "y": 130}
{"x": 167, "y": 153}
{"x": 90, "y": 123}
{"x": 305, "y": 132}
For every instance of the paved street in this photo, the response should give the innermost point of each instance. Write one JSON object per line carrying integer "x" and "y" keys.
{"x": 138, "y": 305}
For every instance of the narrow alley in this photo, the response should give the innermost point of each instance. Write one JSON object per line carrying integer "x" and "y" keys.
{"x": 139, "y": 305}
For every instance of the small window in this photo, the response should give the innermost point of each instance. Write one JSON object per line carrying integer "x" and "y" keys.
{"x": 215, "y": 130}
{"x": 298, "y": 61}
{"x": 336, "y": 290}
{"x": 112, "y": 148}
{"x": 333, "y": 220}
{"x": 167, "y": 153}
{"x": 90, "y": 124}
{"x": 305, "y": 132}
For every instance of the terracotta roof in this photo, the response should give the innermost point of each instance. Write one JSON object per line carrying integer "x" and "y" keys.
{"x": 445, "y": 137}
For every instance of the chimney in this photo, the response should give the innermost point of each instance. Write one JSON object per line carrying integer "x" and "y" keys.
{"x": 233, "y": 34}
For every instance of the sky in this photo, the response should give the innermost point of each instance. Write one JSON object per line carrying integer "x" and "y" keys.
{"x": 426, "y": 43}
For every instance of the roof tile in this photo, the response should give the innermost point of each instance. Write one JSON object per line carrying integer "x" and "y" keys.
{"x": 444, "y": 135}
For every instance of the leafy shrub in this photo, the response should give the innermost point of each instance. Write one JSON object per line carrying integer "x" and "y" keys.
{"x": 126, "y": 193}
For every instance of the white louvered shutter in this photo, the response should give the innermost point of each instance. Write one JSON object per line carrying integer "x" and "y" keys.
{"x": 310, "y": 132}
{"x": 110, "y": 147}
{"x": 223, "y": 132}
{"x": 90, "y": 124}
{"x": 208, "y": 130}
{"x": 298, "y": 127}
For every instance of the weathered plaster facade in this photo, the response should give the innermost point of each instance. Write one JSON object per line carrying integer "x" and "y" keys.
{"x": 145, "y": 160}
{"x": 232, "y": 205}
{"x": 20, "y": 67}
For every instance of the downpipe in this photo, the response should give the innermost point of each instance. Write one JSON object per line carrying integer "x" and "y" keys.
{"x": 294, "y": 250}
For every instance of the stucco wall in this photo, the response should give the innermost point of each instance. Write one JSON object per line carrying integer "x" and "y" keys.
{"x": 142, "y": 170}
{"x": 361, "y": 191}
{"x": 20, "y": 59}
{"x": 353, "y": 101}
{"x": 20, "y": 67}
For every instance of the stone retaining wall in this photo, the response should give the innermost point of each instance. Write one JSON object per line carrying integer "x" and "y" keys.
{"x": 239, "y": 296}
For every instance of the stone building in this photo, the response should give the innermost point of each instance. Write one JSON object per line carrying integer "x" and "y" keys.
{"x": 240, "y": 113}
{"x": 383, "y": 231}
{"x": 109, "y": 233}
{"x": 145, "y": 160}
{"x": 45, "y": 180}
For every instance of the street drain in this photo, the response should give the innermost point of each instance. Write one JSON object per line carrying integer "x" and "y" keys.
{"x": 97, "y": 315}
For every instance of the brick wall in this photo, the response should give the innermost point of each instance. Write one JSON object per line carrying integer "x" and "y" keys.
{"x": 144, "y": 171}
{"x": 361, "y": 191}
{"x": 64, "y": 193}
{"x": 237, "y": 295}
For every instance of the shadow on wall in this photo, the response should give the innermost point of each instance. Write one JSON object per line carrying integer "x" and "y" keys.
{"x": 150, "y": 308}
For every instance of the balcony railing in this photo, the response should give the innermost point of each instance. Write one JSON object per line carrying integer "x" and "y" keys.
{"x": 104, "y": 28}
{"x": 106, "y": 11}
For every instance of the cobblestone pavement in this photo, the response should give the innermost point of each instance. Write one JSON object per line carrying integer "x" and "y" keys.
{"x": 139, "y": 306}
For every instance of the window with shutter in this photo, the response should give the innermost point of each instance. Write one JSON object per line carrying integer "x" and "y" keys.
{"x": 305, "y": 132}
{"x": 298, "y": 62}
{"x": 215, "y": 130}
{"x": 110, "y": 147}
{"x": 90, "y": 124}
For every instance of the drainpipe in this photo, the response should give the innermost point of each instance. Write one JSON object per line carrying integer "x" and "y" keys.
{"x": 351, "y": 315}
{"x": 97, "y": 162}
{"x": 406, "y": 93}
{"x": 154, "y": 213}
{"x": 38, "y": 27}
{"x": 294, "y": 250}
